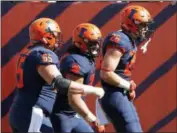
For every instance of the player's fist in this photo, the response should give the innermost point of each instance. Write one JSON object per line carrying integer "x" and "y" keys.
{"x": 98, "y": 128}
{"x": 132, "y": 85}
{"x": 132, "y": 95}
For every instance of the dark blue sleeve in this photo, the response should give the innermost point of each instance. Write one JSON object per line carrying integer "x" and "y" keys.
{"x": 46, "y": 57}
{"x": 70, "y": 65}
{"x": 115, "y": 41}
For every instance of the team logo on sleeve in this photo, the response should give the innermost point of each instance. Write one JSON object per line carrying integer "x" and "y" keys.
{"x": 46, "y": 58}
{"x": 75, "y": 68}
{"x": 115, "y": 38}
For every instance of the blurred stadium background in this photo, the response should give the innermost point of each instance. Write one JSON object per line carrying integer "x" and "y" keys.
{"x": 155, "y": 72}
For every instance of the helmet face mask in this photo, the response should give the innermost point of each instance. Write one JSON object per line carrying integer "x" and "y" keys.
{"x": 93, "y": 47}
{"x": 143, "y": 31}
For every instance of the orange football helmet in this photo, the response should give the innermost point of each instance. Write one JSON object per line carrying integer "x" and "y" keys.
{"x": 136, "y": 19}
{"x": 87, "y": 37}
{"x": 47, "y": 31}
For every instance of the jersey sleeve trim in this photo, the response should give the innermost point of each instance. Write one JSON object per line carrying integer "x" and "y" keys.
{"x": 122, "y": 50}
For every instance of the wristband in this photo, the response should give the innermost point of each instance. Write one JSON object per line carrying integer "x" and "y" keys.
{"x": 89, "y": 90}
{"x": 124, "y": 84}
{"x": 90, "y": 117}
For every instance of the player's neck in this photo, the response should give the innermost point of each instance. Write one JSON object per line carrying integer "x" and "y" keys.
{"x": 130, "y": 36}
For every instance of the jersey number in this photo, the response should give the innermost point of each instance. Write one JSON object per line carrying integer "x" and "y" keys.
{"x": 115, "y": 38}
{"x": 20, "y": 71}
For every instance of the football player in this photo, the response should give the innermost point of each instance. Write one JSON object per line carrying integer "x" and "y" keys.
{"x": 36, "y": 67}
{"x": 119, "y": 51}
{"x": 78, "y": 64}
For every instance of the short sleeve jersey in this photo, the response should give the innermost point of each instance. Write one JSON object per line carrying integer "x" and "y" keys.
{"x": 29, "y": 82}
{"x": 74, "y": 64}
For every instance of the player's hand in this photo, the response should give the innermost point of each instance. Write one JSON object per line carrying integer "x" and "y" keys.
{"x": 132, "y": 95}
{"x": 132, "y": 85}
{"x": 98, "y": 128}
{"x": 99, "y": 92}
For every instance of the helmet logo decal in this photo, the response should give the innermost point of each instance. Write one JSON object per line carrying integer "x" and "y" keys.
{"x": 51, "y": 27}
{"x": 144, "y": 15}
{"x": 82, "y": 32}
{"x": 133, "y": 11}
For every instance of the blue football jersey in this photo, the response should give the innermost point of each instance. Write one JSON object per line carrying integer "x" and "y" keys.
{"x": 47, "y": 97}
{"x": 127, "y": 47}
{"x": 75, "y": 64}
{"x": 30, "y": 82}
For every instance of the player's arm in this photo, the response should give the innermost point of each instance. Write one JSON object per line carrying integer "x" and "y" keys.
{"x": 109, "y": 64}
{"x": 77, "y": 102}
{"x": 80, "y": 106}
{"x": 52, "y": 76}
